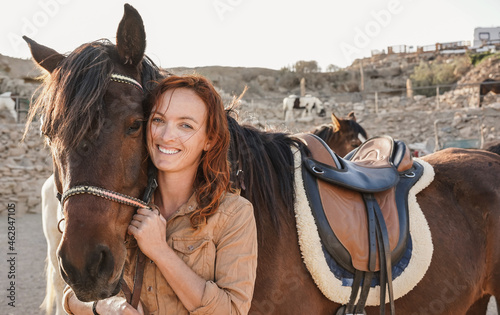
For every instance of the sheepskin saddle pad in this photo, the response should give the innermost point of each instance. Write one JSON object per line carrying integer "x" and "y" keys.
{"x": 358, "y": 215}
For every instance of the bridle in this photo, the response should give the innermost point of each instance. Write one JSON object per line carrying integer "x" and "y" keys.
{"x": 99, "y": 191}
{"x": 134, "y": 294}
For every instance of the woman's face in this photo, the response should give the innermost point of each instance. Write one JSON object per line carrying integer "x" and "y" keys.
{"x": 177, "y": 132}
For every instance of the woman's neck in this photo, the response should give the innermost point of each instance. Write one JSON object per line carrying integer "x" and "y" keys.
{"x": 173, "y": 191}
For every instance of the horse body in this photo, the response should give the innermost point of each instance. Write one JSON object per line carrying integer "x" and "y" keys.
{"x": 307, "y": 104}
{"x": 461, "y": 206}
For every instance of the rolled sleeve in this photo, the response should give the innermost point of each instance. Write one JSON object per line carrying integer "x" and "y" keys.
{"x": 235, "y": 268}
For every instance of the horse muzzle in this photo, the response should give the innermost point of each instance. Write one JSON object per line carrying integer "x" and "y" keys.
{"x": 93, "y": 278}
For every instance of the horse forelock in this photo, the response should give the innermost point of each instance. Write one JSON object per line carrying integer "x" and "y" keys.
{"x": 72, "y": 99}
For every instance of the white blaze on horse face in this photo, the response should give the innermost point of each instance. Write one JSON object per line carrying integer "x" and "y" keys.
{"x": 361, "y": 138}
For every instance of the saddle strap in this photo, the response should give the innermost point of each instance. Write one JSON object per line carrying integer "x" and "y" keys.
{"x": 384, "y": 251}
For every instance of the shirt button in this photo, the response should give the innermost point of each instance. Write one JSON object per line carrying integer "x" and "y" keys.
{"x": 151, "y": 261}
{"x": 190, "y": 207}
{"x": 190, "y": 247}
{"x": 150, "y": 288}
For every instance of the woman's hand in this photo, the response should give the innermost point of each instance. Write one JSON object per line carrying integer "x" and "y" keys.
{"x": 118, "y": 305}
{"x": 113, "y": 305}
{"x": 149, "y": 229}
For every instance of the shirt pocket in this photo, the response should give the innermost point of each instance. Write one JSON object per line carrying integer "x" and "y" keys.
{"x": 197, "y": 253}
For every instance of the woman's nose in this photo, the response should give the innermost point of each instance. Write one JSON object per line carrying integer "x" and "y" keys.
{"x": 167, "y": 132}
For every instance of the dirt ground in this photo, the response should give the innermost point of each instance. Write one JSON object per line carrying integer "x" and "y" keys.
{"x": 31, "y": 248}
{"x": 29, "y": 265}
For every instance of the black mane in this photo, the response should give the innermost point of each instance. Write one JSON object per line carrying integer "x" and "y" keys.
{"x": 267, "y": 163}
{"x": 72, "y": 99}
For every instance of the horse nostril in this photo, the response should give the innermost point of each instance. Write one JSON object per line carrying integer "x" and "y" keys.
{"x": 100, "y": 265}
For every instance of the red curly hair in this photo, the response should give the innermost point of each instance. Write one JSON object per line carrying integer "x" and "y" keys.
{"x": 212, "y": 179}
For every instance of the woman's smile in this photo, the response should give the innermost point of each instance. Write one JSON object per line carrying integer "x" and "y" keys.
{"x": 168, "y": 151}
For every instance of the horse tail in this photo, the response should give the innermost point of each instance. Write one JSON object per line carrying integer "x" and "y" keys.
{"x": 50, "y": 294}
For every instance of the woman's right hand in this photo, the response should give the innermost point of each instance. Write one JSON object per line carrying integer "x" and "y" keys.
{"x": 117, "y": 305}
{"x": 113, "y": 305}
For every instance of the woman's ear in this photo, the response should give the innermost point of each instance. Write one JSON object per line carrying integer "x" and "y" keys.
{"x": 207, "y": 146}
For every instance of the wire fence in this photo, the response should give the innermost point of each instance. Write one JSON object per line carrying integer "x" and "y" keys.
{"x": 21, "y": 105}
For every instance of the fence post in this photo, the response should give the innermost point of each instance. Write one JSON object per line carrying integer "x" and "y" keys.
{"x": 437, "y": 97}
{"x": 17, "y": 107}
{"x": 409, "y": 89}
{"x": 376, "y": 102}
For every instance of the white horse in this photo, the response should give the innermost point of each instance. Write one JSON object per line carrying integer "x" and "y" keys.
{"x": 51, "y": 216}
{"x": 7, "y": 103}
{"x": 307, "y": 104}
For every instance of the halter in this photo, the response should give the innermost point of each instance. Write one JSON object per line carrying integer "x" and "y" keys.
{"x": 120, "y": 78}
{"x": 104, "y": 193}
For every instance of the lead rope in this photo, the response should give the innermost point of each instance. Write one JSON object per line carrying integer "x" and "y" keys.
{"x": 134, "y": 296}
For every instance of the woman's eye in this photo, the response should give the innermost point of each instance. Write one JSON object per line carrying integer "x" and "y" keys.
{"x": 156, "y": 120}
{"x": 187, "y": 126}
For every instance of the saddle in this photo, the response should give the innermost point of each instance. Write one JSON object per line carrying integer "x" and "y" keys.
{"x": 360, "y": 207}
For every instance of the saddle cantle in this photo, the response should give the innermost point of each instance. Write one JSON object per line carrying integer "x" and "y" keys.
{"x": 360, "y": 202}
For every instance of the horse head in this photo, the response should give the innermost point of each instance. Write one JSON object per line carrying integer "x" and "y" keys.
{"x": 94, "y": 119}
{"x": 343, "y": 135}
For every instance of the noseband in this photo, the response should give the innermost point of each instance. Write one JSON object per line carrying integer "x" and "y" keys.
{"x": 109, "y": 194}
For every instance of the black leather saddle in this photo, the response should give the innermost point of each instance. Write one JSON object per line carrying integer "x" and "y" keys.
{"x": 360, "y": 205}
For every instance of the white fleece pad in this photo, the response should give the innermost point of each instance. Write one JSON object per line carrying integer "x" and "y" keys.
{"x": 314, "y": 259}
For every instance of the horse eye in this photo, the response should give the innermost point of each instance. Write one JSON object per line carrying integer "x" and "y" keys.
{"x": 136, "y": 125}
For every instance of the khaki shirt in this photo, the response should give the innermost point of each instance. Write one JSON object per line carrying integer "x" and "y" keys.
{"x": 223, "y": 251}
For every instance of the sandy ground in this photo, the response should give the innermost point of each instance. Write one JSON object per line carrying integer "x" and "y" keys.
{"x": 31, "y": 249}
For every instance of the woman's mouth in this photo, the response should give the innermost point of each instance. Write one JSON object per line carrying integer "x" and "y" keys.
{"x": 168, "y": 151}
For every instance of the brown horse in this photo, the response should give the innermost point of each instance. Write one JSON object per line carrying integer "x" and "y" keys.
{"x": 94, "y": 119}
{"x": 98, "y": 140}
{"x": 487, "y": 86}
{"x": 343, "y": 135}
{"x": 461, "y": 207}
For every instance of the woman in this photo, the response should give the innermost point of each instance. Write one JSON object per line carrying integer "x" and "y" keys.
{"x": 201, "y": 238}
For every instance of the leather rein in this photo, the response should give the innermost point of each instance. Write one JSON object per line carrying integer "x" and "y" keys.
{"x": 133, "y": 295}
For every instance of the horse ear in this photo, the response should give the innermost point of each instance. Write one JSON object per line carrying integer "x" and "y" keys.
{"x": 336, "y": 123}
{"x": 131, "y": 37}
{"x": 351, "y": 116}
{"x": 44, "y": 56}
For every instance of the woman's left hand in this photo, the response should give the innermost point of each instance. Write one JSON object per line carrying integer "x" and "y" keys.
{"x": 149, "y": 229}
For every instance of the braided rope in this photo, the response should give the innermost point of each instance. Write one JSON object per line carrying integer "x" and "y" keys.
{"x": 128, "y": 80}
{"x": 104, "y": 193}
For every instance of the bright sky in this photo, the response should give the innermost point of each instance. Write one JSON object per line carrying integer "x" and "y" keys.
{"x": 248, "y": 33}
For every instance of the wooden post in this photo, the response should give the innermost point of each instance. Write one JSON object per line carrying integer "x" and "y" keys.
{"x": 409, "y": 89}
{"x": 362, "y": 78}
{"x": 376, "y": 102}
{"x": 437, "y": 97}
{"x": 302, "y": 87}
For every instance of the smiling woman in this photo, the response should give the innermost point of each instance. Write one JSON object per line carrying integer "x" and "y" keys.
{"x": 201, "y": 238}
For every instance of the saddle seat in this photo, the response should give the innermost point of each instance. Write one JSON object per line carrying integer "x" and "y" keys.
{"x": 340, "y": 189}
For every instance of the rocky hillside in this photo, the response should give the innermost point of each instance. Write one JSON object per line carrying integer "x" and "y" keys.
{"x": 420, "y": 121}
